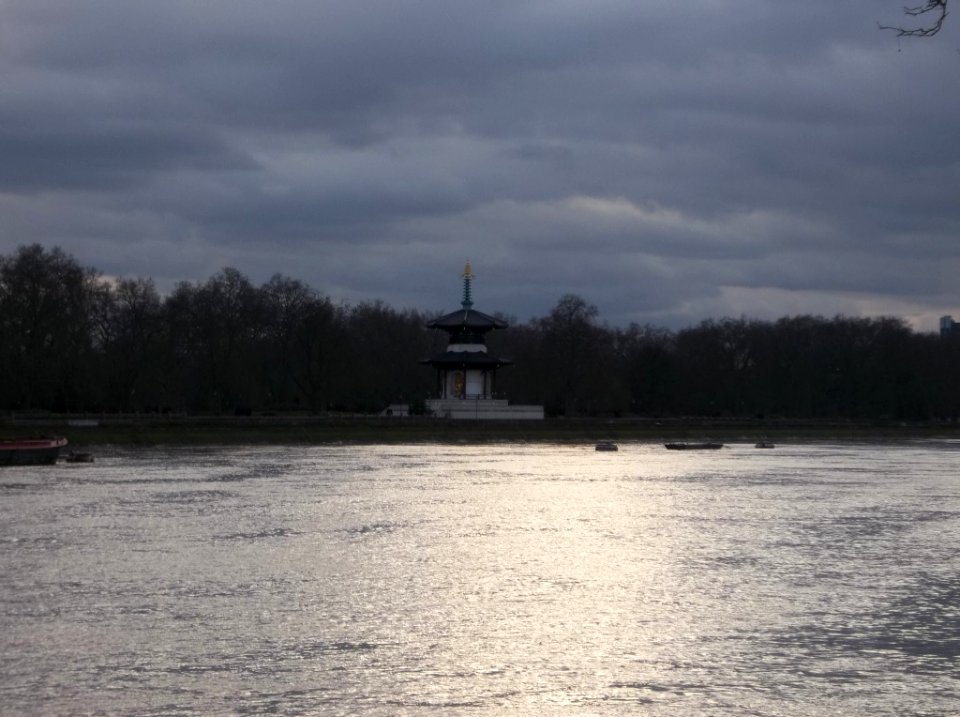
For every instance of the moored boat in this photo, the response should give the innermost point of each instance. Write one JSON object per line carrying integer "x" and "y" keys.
{"x": 606, "y": 446}
{"x": 692, "y": 446}
{"x": 30, "y": 451}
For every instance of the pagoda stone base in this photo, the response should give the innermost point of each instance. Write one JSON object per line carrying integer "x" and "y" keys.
{"x": 482, "y": 409}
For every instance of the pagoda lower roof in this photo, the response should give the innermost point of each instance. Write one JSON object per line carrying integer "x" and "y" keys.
{"x": 468, "y": 319}
{"x": 467, "y": 359}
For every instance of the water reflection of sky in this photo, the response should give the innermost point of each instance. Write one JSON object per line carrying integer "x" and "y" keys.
{"x": 502, "y": 579}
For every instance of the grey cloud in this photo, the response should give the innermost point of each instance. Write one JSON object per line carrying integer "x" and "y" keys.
{"x": 667, "y": 162}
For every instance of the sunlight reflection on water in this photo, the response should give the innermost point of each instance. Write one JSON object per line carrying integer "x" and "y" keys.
{"x": 502, "y": 579}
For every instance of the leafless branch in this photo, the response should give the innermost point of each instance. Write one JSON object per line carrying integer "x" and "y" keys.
{"x": 938, "y": 10}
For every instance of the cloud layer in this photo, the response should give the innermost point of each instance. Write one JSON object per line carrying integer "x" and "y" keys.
{"x": 667, "y": 162}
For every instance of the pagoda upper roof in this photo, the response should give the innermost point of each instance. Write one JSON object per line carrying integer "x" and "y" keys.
{"x": 467, "y": 319}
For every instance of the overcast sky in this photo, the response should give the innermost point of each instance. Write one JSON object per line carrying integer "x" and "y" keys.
{"x": 666, "y": 161}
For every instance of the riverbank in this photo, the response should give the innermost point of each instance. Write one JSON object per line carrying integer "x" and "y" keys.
{"x": 211, "y": 430}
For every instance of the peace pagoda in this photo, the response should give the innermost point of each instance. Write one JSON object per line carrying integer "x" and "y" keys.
{"x": 466, "y": 371}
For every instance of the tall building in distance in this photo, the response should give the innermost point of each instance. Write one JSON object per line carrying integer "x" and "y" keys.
{"x": 948, "y": 326}
{"x": 466, "y": 371}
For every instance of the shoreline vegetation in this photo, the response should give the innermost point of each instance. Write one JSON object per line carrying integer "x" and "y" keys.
{"x": 79, "y": 343}
{"x": 150, "y": 430}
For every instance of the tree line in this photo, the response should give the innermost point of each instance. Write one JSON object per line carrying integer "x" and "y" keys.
{"x": 73, "y": 341}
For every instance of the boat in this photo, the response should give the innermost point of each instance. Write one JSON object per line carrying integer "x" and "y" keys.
{"x": 77, "y": 457}
{"x": 30, "y": 451}
{"x": 692, "y": 446}
{"x": 606, "y": 446}
{"x": 765, "y": 444}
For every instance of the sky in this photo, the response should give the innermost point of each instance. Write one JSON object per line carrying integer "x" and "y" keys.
{"x": 668, "y": 162}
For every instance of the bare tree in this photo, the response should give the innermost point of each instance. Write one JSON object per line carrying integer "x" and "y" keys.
{"x": 932, "y": 12}
{"x": 46, "y": 300}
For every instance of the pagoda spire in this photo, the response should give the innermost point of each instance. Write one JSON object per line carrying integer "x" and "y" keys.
{"x": 467, "y": 277}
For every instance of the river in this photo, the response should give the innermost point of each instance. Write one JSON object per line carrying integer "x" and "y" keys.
{"x": 503, "y": 579}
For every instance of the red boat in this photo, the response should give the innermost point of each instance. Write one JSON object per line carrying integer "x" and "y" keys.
{"x": 30, "y": 451}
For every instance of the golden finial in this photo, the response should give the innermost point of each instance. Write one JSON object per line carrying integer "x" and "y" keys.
{"x": 467, "y": 279}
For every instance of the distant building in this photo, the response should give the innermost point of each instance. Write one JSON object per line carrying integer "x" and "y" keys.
{"x": 466, "y": 371}
{"x": 949, "y": 327}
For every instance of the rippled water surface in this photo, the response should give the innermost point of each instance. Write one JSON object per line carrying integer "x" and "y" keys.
{"x": 484, "y": 580}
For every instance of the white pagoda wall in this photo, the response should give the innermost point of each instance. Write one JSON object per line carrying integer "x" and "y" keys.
{"x": 476, "y": 384}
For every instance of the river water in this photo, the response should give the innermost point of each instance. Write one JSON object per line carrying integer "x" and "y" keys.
{"x": 484, "y": 580}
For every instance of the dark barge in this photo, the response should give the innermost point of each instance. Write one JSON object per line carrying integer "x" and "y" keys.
{"x": 30, "y": 451}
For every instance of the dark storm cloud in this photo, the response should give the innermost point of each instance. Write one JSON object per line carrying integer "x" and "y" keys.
{"x": 668, "y": 162}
